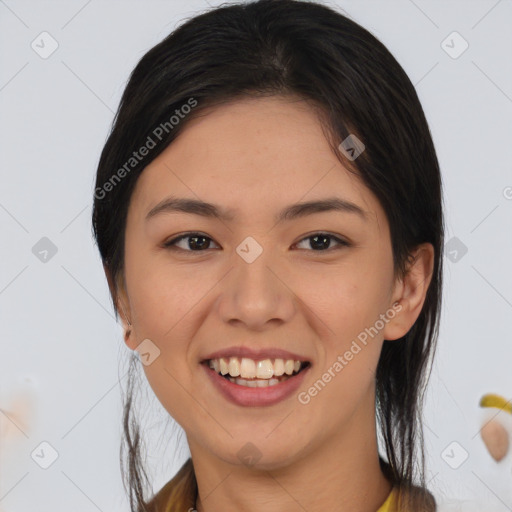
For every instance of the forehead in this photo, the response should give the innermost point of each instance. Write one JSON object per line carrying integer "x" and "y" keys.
{"x": 249, "y": 155}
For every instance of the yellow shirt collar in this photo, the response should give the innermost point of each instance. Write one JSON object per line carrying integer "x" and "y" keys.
{"x": 386, "y": 506}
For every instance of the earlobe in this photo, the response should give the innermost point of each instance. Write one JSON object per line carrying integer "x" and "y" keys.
{"x": 118, "y": 292}
{"x": 126, "y": 336}
{"x": 127, "y": 324}
{"x": 125, "y": 315}
{"x": 411, "y": 292}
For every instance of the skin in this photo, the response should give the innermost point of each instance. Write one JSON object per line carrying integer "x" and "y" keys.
{"x": 257, "y": 156}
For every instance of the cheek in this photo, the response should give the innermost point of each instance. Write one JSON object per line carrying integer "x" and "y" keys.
{"x": 164, "y": 304}
{"x": 347, "y": 301}
{"x": 345, "y": 298}
{"x": 161, "y": 294}
{"x": 350, "y": 350}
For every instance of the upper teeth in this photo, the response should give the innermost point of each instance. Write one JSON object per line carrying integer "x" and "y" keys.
{"x": 249, "y": 368}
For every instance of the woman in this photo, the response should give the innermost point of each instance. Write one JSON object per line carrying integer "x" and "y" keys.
{"x": 268, "y": 209}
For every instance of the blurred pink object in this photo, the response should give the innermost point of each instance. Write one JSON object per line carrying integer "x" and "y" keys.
{"x": 17, "y": 421}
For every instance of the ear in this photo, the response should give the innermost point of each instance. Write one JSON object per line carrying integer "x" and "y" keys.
{"x": 118, "y": 291}
{"x": 410, "y": 292}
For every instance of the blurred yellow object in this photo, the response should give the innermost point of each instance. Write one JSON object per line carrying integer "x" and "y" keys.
{"x": 491, "y": 400}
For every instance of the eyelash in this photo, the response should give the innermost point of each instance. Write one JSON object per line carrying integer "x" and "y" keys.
{"x": 170, "y": 244}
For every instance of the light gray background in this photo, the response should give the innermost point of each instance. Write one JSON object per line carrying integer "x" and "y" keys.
{"x": 62, "y": 352}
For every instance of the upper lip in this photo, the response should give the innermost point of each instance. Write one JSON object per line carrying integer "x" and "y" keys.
{"x": 256, "y": 354}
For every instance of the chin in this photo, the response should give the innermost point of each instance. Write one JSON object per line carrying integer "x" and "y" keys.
{"x": 258, "y": 454}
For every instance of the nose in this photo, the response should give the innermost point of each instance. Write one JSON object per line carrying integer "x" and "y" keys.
{"x": 256, "y": 294}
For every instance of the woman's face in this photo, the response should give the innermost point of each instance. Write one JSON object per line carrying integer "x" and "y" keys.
{"x": 259, "y": 281}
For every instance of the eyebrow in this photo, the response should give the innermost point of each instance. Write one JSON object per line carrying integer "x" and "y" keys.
{"x": 197, "y": 207}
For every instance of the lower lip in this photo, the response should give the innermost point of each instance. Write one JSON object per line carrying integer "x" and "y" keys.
{"x": 256, "y": 397}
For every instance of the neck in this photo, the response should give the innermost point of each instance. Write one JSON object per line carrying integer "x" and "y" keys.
{"x": 342, "y": 473}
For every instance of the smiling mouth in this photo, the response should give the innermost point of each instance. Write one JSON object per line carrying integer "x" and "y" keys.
{"x": 251, "y": 373}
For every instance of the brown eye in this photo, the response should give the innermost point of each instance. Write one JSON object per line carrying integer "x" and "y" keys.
{"x": 322, "y": 241}
{"x": 194, "y": 242}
